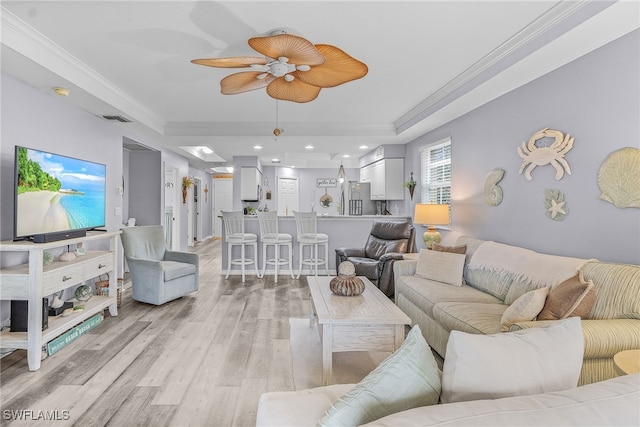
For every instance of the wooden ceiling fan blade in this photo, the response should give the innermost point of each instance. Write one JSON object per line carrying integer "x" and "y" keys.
{"x": 295, "y": 91}
{"x": 297, "y": 49}
{"x": 233, "y": 62}
{"x": 243, "y": 82}
{"x": 339, "y": 68}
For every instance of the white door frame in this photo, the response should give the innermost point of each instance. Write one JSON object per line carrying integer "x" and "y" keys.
{"x": 197, "y": 208}
{"x": 190, "y": 222}
{"x": 172, "y": 199}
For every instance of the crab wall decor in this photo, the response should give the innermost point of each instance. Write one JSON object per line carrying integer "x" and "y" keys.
{"x": 555, "y": 205}
{"x": 534, "y": 155}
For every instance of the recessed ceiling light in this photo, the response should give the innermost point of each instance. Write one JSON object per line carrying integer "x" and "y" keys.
{"x": 363, "y": 147}
{"x": 61, "y": 91}
{"x": 257, "y": 147}
{"x": 309, "y": 147}
{"x": 346, "y": 155}
{"x": 275, "y": 160}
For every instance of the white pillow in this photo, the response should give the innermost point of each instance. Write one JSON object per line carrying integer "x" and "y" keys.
{"x": 407, "y": 379}
{"x": 525, "y": 308}
{"x": 445, "y": 267}
{"x": 525, "y": 362}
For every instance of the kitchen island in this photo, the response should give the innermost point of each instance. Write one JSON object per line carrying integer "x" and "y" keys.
{"x": 343, "y": 231}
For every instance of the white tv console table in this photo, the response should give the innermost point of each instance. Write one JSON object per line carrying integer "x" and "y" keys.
{"x": 33, "y": 281}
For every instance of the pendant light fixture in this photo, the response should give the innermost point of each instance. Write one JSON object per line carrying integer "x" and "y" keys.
{"x": 342, "y": 177}
{"x": 277, "y": 131}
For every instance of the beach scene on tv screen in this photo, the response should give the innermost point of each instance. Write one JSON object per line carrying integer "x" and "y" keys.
{"x": 58, "y": 193}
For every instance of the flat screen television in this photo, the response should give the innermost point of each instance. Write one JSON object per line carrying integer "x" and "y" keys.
{"x": 56, "y": 197}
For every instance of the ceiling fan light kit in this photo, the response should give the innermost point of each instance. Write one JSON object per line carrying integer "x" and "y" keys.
{"x": 293, "y": 68}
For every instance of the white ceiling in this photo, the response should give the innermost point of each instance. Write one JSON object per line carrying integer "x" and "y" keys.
{"x": 429, "y": 62}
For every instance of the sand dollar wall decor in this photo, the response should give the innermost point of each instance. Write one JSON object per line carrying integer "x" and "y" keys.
{"x": 535, "y": 154}
{"x": 492, "y": 191}
{"x": 619, "y": 178}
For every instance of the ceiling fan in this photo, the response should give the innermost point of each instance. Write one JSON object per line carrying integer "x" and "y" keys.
{"x": 292, "y": 69}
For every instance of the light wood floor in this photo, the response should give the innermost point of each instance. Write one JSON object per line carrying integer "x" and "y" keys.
{"x": 202, "y": 360}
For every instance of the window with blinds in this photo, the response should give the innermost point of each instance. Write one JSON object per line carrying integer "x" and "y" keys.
{"x": 436, "y": 173}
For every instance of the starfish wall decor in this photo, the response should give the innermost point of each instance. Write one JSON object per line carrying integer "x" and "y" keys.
{"x": 555, "y": 205}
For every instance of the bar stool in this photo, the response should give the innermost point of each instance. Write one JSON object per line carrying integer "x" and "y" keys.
{"x": 307, "y": 227}
{"x": 269, "y": 236}
{"x": 235, "y": 236}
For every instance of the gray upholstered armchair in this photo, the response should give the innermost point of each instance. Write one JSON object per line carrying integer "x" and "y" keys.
{"x": 386, "y": 243}
{"x": 157, "y": 275}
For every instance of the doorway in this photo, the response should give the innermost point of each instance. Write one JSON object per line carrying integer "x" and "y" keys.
{"x": 171, "y": 207}
{"x": 193, "y": 211}
{"x": 287, "y": 195}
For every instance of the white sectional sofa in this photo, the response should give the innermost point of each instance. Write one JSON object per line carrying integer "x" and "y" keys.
{"x": 609, "y": 403}
{"x": 526, "y": 377}
{"x": 462, "y": 307}
{"x": 494, "y": 280}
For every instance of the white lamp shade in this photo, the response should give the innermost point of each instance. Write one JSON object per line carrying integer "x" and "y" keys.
{"x": 431, "y": 214}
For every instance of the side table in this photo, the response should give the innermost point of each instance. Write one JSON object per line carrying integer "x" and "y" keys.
{"x": 627, "y": 362}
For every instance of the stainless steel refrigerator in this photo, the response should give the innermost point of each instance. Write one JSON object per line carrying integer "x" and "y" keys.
{"x": 360, "y": 202}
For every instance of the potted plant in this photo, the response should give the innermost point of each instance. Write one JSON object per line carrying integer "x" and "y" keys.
{"x": 411, "y": 185}
{"x": 187, "y": 182}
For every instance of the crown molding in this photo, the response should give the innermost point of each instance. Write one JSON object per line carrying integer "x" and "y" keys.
{"x": 27, "y": 41}
{"x": 265, "y": 129}
{"x": 526, "y": 41}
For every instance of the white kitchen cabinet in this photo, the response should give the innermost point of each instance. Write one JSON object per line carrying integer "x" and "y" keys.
{"x": 386, "y": 177}
{"x": 365, "y": 173}
{"x": 250, "y": 184}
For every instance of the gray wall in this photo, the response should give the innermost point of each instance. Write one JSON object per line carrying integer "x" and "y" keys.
{"x": 40, "y": 120}
{"x": 594, "y": 98}
{"x": 145, "y": 187}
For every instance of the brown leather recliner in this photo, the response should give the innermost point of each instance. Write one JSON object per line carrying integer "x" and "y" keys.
{"x": 387, "y": 241}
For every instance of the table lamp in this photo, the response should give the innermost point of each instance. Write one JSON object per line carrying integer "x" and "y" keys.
{"x": 431, "y": 214}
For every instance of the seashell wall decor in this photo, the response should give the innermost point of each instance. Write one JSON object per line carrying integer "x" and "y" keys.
{"x": 619, "y": 178}
{"x": 492, "y": 191}
{"x": 555, "y": 205}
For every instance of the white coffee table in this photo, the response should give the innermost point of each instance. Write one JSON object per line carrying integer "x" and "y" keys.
{"x": 367, "y": 322}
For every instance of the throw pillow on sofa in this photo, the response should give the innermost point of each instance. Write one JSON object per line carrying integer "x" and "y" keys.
{"x": 459, "y": 249}
{"x": 573, "y": 297}
{"x": 456, "y": 249}
{"x": 407, "y": 379}
{"x": 525, "y": 308}
{"x": 445, "y": 267}
{"x": 530, "y": 361}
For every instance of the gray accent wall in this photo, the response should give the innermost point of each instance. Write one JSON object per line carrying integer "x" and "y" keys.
{"x": 596, "y": 99}
{"x": 145, "y": 187}
{"x": 38, "y": 119}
